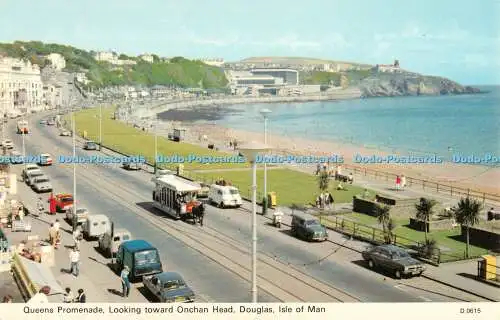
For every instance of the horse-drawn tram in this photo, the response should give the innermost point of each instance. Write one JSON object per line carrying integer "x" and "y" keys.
{"x": 177, "y": 197}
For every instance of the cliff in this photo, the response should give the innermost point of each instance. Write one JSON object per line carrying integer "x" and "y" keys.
{"x": 409, "y": 84}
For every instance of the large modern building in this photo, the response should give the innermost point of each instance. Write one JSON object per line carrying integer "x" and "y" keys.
{"x": 289, "y": 76}
{"x": 21, "y": 88}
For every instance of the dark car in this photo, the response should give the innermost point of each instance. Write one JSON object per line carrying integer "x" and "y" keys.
{"x": 169, "y": 287}
{"x": 308, "y": 227}
{"x": 90, "y": 145}
{"x": 394, "y": 260}
{"x": 131, "y": 165}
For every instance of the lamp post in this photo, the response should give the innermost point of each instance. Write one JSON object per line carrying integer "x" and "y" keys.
{"x": 73, "y": 125}
{"x": 251, "y": 151}
{"x": 264, "y": 113}
{"x": 100, "y": 127}
{"x": 156, "y": 145}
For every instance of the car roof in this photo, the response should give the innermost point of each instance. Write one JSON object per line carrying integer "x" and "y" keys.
{"x": 64, "y": 195}
{"x": 391, "y": 247}
{"x": 37, "y": 170}
{"x": 43, "y": 176}
{"x": 137, "y": 245}
{"x": 169, "y": 276}
{"x": 305, "y": 216}
{"x": 32, "y": 166}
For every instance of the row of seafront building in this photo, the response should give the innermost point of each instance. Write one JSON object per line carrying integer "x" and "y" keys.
{"x": 24, "y": 87}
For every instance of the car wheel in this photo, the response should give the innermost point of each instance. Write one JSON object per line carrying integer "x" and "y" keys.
{"x": 221, "y": 205}
{"x": 371, "y": 265}
{"x": 397, "y": 274}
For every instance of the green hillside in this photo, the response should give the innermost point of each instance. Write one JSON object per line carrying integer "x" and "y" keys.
{"x": 178, "y": 71}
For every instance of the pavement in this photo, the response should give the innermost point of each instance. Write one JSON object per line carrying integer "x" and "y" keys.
{"x": 98, "y": 281}
{"x": 328, "y": 262}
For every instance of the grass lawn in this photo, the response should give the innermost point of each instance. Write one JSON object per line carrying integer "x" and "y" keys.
{"x": 132, "y": 141}
{"x": 290, "y": 186}
{"x": 450, "y": 248}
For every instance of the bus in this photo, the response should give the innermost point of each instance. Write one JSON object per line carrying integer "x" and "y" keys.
{"x": 175, "y": 196}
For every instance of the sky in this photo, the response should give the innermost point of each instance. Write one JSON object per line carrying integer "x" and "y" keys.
{"x": 455, "y": 39}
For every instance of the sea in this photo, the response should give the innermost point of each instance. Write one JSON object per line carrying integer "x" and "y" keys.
{"x": 425, "y": 125}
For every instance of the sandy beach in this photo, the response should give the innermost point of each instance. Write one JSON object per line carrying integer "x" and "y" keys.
{"x": 206, "y": 121}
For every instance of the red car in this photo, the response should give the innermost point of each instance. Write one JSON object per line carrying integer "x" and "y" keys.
{"x": 63, "y": 202}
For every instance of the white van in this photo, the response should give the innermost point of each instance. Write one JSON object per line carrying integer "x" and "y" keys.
{"x": 95, "y": 226}
{"x": 225, "y": 196}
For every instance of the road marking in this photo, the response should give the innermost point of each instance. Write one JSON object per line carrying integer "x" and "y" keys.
{"x": 425, "y": 299}
{"x": 399, "y": 286}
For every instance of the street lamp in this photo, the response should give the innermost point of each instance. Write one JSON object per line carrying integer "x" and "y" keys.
{"x": 264, "y": 113}
{"x": 250, "y": 152}
{"x": 100, "y": 127}
{"x": 156, "y": 145}
{"x": 73, "y": 125}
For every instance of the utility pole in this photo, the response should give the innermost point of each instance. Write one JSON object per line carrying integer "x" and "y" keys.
{"x": 100, "y": 127}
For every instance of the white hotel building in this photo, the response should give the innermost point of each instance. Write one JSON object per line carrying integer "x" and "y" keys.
{"x": 21, "y": 88}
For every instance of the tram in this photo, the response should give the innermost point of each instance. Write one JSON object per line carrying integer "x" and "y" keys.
{"x": 175, "y": 196}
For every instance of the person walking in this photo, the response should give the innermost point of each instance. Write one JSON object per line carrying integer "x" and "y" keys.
{"x": 52, "y": 205}
{"x": 124, "y": 276}
{"x": 21, "y": 213}
{"x": 68, "y": 296}
{"x": 403, "y": 181}
{"x": 77, "y": 235}
{"x": 81, "y": 298}
{"x": 40, "y": 206}
{"x": 398, "y": 183}
{"x": 74, "y": 258}
{"x": 52, "y": 235}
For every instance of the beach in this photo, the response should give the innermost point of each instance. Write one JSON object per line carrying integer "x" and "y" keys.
{"x": 205, "y": 125}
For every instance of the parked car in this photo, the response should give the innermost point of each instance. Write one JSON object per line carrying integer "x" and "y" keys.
{"x": 224, "y": 196}
{"x": 95, "y": 226}
{"x": 65, "y": 133}
{"x": 81, "y": 215}
{"x": 16, "y": 157}
{"x": 7, "y": 143}
{"x": 89, "y": 145}
{"x": 64, "y": 201}
{"x": 29, "y": 167}
{"x": 45, "y": 160}
{"x": 42, "y": 184}
{"x": 109, "y": 242}
{"x": 32, "y": 175}
{"x": 393, "y": 259}
{"x": 169, "y": 287}
{"x": 308, "y": 227}
{"x": 141, "y": 258}
{"x": 131, "y": 166}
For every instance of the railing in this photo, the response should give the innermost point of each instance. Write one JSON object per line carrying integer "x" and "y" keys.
{"x": 28, "y": 287}
{"x": 377, "y": 236}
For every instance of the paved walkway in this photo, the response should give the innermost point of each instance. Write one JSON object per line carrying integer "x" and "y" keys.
{"x": 99, "y": 282}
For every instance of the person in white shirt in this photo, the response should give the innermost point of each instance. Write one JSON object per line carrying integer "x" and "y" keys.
{"x": 57, "y": 225}
{"x": 68, "y": 296}
{"x": 74, "y": 258}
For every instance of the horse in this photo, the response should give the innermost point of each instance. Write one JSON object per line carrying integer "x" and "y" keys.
{"x": 198, "y": 213}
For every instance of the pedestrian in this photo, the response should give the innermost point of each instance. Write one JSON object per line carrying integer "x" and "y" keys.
{"x": 52, "y": 205}
{"x": 351, "y": 178}
{"x": 81, "y": 298}
{"x": 7, "y": 299}
{"x": 40, "y": 206}
{"x": 21, "y": 213}
{"x": 57, "y": 226}
{"x": 124, "y": 276}
{"x": 74, "y": 258}
{"x": 398, "y": 182}
{"x": 330, "y": 199}
{"x": 77, "y": 238}
{"x": 52, "y": 235}
{"x": 403, "y": 181}
{"x": 68, "y": 296}
{"x": 491, "y": 214}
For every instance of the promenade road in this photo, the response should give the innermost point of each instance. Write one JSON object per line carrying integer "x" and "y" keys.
{"x": 207, "y": 278}
{"x": 324, "y": 261}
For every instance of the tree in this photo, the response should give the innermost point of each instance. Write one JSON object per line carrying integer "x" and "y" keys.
{"x": 391, "y": 225}
{"x": 467, "y": 214}
{"x": 323, "y": 181}
{"x": 425, "y": 210}
{"x": 383, "y": 214}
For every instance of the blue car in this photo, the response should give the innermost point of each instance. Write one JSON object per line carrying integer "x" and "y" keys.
{"x": 169, "y": 287}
